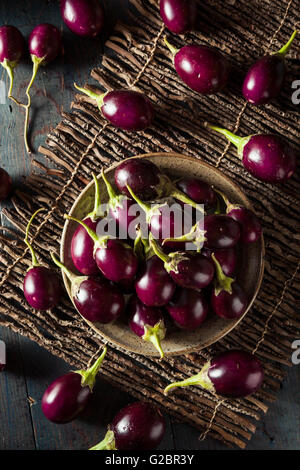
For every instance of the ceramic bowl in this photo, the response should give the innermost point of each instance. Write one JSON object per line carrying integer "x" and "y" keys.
{"x": 250, "y": 270}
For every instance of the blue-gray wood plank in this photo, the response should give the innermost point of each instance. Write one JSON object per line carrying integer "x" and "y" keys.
{"x": 31, "y": 368}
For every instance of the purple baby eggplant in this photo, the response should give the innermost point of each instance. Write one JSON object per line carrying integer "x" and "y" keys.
{"x": 124, "y": 211}
{"x": 12, "y": 45}
{"x": 228, "y": 299}
{"x": 226, "y": 257}
{"x": 82, "y": 249}
{"x": 250, "y": 226}
{"x": 41, "y": 288}
{"x": 235, "y": 374}
{"x": 125, "y": 109}
{"x": 199, "y": 191}
{"x": 265, "y": 78}
{"x": 179, "y": 16}
{"x": 44, "y": 46}
{"x": 5, "y": 184}
{"x": 153, "y": 285}
{"x": 143, "y": 177}
{"x": 115, "y": 259}
{"x": 82, "y": 246}
{"x": 147, "y": 322}
{"x": 192, "y": 271}
{"x": 268, "y": 157}
{"x": 202, "y": 68}
{"x": 83, "y": 17}
{"x": 188, "y": 308}
{"x": 164, "y": 220}
{"x": 96, "y": 299}
{"x": 147, "y": 181}
{"x": 138, "y": 426}
{"x": 41, "y": 285}
{"x": 69, "y": 395}
{"x": 221, "y": 232}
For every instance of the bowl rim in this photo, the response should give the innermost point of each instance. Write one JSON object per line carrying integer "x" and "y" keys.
{"x": 218, "y": 337}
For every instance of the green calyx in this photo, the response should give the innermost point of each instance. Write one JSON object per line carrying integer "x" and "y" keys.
{"x": 171, "y": 260}
{"x": 200, "y": 379}
{"x": 155, "y": 334}
{"x": 222, "y": 282}
{"x": 115, "y": 200}
{"x": 108, "y": 442}
{"x": 147, "y": 208}
{"x": 73, "y": 278}
{"x": 236, "y": 140}
{"x": 285, "y": 49}
{"x": 97, "y": 212}
{"x": 166, "y": 188}
{"x": 88, "y": 376}
{"x": 95, "y": 96}
{"x": 35, "y": 262}
{"x": 196, "y": 236}
{"x": 229, "y": 205}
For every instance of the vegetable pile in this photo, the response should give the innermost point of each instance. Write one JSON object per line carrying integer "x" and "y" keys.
{"x": 153, "y": 280}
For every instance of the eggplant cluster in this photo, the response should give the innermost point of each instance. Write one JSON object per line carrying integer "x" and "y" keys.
{"x": 154, "y": 280}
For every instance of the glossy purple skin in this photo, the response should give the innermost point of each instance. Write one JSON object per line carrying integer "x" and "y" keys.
{"x": 117, "y": 261}
{"x": 236, "y": 373}
{"x": 45, "y": 42}
{"x": 221, "y": 232}
{"x": 41, "y": 288}
{"x": 227, "y": 259}
{"x": 128, "y": 110}
{"x": 179, "y": 16}
{"x": 83, "y": 17}
{"x": 269, "y": 158}
{"x": 250, "y": 226}
{"x": 141, "y": 315}
{"x": 264, "y": 79}
{"x": 138, "y": 426}
{"x": 170, "y": 223}
{"x": 154, "y": 286}
{"x": 188, "y": 308}
{"x": 82, "y": 248}
{"x": 12, "y": 44}
{"x": 125, "y": 214}
{"x": 198, "y": 191}
{"x": 227, "y": 305}
{"x": 195, "y": 272}
{"x": 65, "y": 398}
{"x": 5, "y": 184}
{"x": 202, "y": 68}
{"x": 99, "y": 301}
{"x": 141, "y": 175}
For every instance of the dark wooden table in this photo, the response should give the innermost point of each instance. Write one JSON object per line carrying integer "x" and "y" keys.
{"x": 31, "y": 368}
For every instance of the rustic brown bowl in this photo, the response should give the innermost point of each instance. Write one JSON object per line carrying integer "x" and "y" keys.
{"x": 251, "y": 264}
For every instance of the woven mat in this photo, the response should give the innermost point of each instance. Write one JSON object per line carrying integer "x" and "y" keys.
{"x": 136, "y": 57}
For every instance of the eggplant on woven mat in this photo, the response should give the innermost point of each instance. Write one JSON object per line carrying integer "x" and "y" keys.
{"x": 83, "y": 142}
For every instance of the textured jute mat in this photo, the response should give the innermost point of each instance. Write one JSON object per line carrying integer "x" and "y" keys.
{"x": 83, "y": 142}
